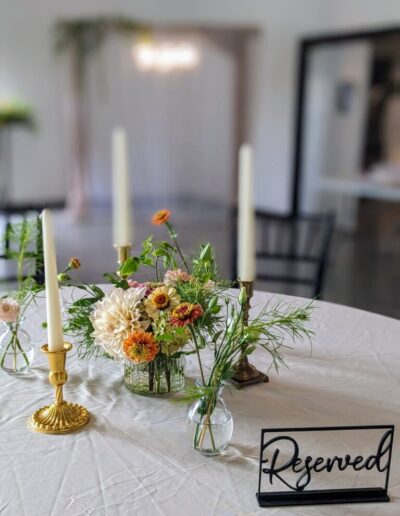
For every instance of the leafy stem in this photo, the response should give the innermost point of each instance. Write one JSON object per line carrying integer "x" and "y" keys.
{"x": 174, "y": 238}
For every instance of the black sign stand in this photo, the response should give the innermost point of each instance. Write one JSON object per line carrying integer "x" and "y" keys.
{"x": 324, "y": 496}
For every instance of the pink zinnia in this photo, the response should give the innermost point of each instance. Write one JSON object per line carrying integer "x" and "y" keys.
{"x": 172, "y": 277}
{"x": 137, "y": 284}
{"x": 9, "y": 310}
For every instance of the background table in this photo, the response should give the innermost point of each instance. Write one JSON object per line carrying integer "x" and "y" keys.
{"x": 134, "y": 457}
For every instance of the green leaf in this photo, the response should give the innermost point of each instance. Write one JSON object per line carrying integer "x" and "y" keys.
{"x": 206, "y": 253}
{"x": 146, "y": 261}
{"x": 131, "y": 266}
{"x": 213, "y": 303}
{"x": 86, "y": 301}
{"x": 97, "y": 290}
{"x": 166, "y": 337}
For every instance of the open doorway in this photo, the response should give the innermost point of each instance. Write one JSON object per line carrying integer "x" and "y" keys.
{"x": 348, "y": 159}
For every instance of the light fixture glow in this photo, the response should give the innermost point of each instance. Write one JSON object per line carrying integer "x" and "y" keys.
{"x": 165, "y": 57}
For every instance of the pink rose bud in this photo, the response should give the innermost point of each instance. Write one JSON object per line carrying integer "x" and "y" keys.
{"x": 9, "y": 310}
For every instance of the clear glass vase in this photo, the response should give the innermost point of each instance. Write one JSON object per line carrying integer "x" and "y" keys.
{"x": 209, "y": 424}
{"x": 163, "y": 375}
{"x": 16, "y": 349}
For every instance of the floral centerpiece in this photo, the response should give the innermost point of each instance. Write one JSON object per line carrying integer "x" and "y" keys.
{"x": 136, "y": 325}
{"x": 146, "y": 326}
{"x": 186, "y": 309}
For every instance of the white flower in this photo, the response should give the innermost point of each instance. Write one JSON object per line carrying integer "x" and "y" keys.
{"x": 9, "y": 310}
{"x": 115, "y": 317}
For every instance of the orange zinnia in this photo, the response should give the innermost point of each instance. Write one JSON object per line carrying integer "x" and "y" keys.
{"x": 74, "y": 263}
{"x": 161, "y": 217}
{"x": 140, "y": 347}
{"x": 185, "y": 314}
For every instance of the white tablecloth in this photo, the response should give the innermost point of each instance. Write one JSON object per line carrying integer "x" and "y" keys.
{"x": 134, "y": 457}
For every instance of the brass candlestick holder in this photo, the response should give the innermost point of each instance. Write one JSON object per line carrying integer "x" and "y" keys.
{"x": 123, "y": 253}
{"x": 61, "y": 417}
{"x": 246, "y": 374}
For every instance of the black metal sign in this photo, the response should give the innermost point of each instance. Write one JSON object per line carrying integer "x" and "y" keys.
{"x": 284, "y": 464}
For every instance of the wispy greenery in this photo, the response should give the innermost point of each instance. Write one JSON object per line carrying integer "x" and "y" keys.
{"x": 20, "y": 243}
{"x": 78, "y": 323}
{"x": 230, "y": 340}
{"x": 270, "y": 330}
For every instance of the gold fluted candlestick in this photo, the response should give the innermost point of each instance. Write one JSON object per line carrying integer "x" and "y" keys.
{"x": 61, "y": 417}
{"x": 246, "y": 374}
{"x": 123, "y": 253}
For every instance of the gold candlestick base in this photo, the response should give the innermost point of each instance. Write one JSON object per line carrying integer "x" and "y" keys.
{"x": 123, "y": 253}
{"x": 245, "y": 373}
{"x": 61, "y": 417}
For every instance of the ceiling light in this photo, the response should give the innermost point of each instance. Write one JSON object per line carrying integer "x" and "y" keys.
{"x": 165, "y": 57}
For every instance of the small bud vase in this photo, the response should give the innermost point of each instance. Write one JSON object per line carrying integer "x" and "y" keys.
{"x": 16, "y": 349}
{"x": 209, "y": 424}
{"x": 164, "y": 375}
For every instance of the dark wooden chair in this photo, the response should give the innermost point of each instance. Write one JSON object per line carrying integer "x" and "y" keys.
{"x": 35, "y": 251}
{"x": 292, "y": 251}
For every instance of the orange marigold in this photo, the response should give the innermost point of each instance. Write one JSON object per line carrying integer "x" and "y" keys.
{"x": 161, "y": 217}
{"x": 140, "y": 347}
{"x": 185, "y": 314}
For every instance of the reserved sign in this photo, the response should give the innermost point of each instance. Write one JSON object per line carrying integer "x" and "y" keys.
{"x": 324, "y": 465}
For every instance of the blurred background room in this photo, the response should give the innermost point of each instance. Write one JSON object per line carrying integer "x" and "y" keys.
{"x": 312, "y": 86}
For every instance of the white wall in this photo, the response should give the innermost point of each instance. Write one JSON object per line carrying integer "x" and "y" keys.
{"x": 180, "y": 125}
{"x": 28, "y": 67}
{"x": 361, "y": 14}
{"x": 333, "y": 139}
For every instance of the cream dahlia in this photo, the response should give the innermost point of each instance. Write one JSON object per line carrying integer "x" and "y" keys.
{"x": 162, "y": 300}
{"x": 115, "y": 317}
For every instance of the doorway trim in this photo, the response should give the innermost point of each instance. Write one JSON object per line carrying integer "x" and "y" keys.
{"x": 304, "y": 46}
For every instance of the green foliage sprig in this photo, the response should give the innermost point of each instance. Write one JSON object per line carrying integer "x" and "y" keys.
{"x": 22, "y": 243}
{"x": 78, "y": 323}
{"x": 269, "y": 329}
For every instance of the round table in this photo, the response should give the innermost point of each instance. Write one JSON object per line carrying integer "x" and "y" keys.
{"x": 134, "y": 457}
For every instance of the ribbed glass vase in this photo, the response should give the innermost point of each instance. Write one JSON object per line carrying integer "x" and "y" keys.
{"x": 164, "y": 375}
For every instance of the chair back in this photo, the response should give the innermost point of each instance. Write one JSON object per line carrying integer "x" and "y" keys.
{"x": 292, "y": 252}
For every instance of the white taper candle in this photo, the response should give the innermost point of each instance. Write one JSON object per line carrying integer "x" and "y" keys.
{"x": 246, "y": 216}
{"x": 54, "y": 326}
{"x": 122, "y": 231}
